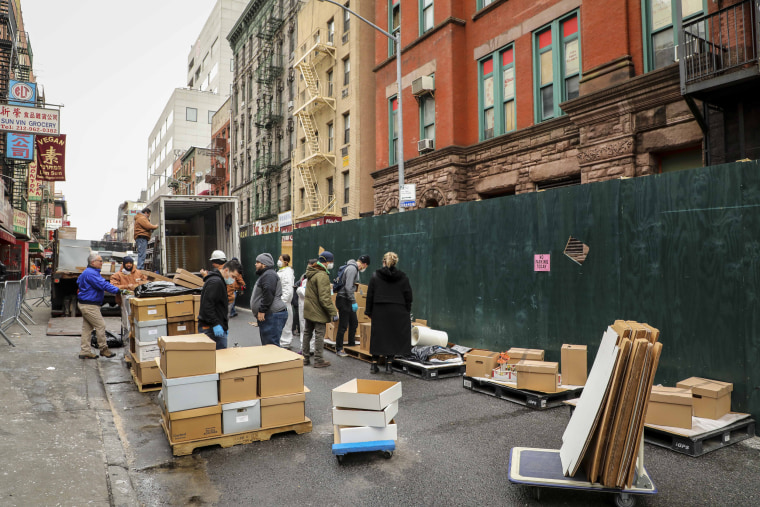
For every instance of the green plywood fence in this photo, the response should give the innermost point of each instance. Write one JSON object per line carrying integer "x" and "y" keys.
{"x": 680, "y": 251}
{"x": 250, "y": 247}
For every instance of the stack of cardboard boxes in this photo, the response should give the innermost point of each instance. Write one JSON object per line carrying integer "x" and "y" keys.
{"x": 365, "y": 411}
{"x": 151, "y": 318}
{"x": 207, "y": 393}
{"x": 693, "y": 397}
{"x": 331, "y": 332}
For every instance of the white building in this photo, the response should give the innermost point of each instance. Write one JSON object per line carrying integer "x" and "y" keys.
{"x": 186, "y": 118}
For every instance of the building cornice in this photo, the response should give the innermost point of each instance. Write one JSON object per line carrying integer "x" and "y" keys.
{"x": 250, "y": 12}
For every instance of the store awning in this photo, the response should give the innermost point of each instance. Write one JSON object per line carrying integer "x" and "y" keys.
{"x": 34, "y": 247}
{"x": 7, "y": 237}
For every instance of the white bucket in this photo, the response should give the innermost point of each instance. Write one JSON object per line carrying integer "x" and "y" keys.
{"x": 424, "y": 336}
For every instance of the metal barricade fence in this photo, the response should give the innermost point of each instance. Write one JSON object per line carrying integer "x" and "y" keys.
{"x": 35, "y": 290}
{"x": 11, "y": 307}
{"x": 25, "y": 311}
{"x": 2, "y": 314}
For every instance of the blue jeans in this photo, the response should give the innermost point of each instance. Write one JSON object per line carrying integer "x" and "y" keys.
{"x": 221, "y": 343}
{"x": 270, "y": 329}
{"x": 142, "y": 246}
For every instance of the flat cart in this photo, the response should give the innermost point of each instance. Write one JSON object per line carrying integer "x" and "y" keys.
{"x": 385, "y": 446}
{"x": 543, "y": 468}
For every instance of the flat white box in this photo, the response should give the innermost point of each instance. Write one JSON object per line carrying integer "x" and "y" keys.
{"x": 147, "y": 351}
{"x": 352, "y": 435}
{"x": 186, "y": 393}
{"x": 366, "y": 394}
{"x": 241, "y": 416}
{"x": 150, "y": 330}
{"x": 375, "y": 418}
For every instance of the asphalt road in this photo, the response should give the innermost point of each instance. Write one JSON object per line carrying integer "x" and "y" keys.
{"x": 453, "y": 449}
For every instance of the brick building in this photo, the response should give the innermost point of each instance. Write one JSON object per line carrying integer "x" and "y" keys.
{"x": 503, "y": 97}
{"x": 218, "y": 175}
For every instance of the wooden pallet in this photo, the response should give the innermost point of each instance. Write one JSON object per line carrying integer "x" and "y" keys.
{"x": 186, "y": 448}
{"x": 147, "y": 388}
{"x": 697, "y": 445}
{"x": 531, "y": 399}
{"x": 330, "y": 345}
{"x": 429, "y": 372}
{"x": 360, "y": 354}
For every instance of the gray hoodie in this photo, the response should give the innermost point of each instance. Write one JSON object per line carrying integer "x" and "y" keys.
{"x": 267, "y": 293}
{"x": 351, "y": 278}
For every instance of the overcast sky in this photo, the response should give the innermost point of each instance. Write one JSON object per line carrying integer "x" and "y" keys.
{"x": 113, "y": 65}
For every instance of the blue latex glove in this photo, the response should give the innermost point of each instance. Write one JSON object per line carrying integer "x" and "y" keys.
{"x": 218, "y": 331}
{"x": 335, "y": 319}
{"x": 355, "y": 307}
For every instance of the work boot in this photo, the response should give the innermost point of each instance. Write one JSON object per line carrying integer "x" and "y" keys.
{"x": 374, "y": 368}
{"x": 321, "y": 364}
{"x": 88, "y": 355}
{"x": 306, "y": 361}
{"x": 389, "y": 365}
{"x": 107, "y": 353}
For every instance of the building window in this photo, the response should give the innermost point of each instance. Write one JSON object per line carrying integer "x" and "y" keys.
{"x": 346, "y": 71}
{"x": 393, "y": 128}
{"x": 346, "y": 128}
{"x": 497, "y": 93}
{"x": 330, "y": 189}
{"x": 191, "y": 114}
{"x": 330, "y": 83}
{"x": 484, "y": 3}
{"x": 557, "y": 65}
{"x": 427, "y": 117}
{"x": 302, "y": 198}
{"x": 210, "y": 117}
{"x": 330, "y": 137}
{"x": 331, "y": 31}
{"x": 426, "y": 15}
{"x": 346, "y": 19}
{"x": 346, "y": 187}
{"x": 660, "y": 37}
{"x": 394, "y": 23}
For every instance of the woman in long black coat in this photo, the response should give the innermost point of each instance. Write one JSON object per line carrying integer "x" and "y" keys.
{"x": 389, "y": 305}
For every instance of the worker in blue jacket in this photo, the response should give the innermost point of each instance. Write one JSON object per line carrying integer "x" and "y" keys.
{"x": 92, "y": 288}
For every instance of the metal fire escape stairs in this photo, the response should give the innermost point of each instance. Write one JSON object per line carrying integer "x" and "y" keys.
{"x": 313, "y": 99}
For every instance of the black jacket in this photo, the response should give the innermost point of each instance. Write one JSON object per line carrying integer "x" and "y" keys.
{"x": 213, "y": 300}
{"x": 389, "y": 285}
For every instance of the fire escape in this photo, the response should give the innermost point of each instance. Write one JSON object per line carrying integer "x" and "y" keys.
{"x": 217, "y": 172}
{"x": 269, "y": 114}
{"x": 21, "y": 71}
{"x": 314, "y": 98}
{"x": 720, "y": 68}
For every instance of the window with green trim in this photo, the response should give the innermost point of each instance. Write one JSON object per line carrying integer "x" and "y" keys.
{"x": 484, "y": 3}
{"x": 427, "y": 117}
{"x": 394, "y": 23}
{"x": 497, "y": 93}
{"x": 426, "y": 15}
{"x": 557, "y": 65}
{"x": 660, "y": 37}
{"x": 392, "y": 131}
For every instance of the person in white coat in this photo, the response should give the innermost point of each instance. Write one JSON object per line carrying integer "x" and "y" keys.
{"x": 301, "y": 293}
{"x": 287, "y": 279}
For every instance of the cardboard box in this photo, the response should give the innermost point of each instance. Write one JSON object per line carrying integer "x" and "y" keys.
{"x": 283, "y": 410}
{"x": 179, "y": 306}
{"x": 150, "y": 330}
{"x": 360, "y": 315}
{"x": 421, "y": 322}
{"x": 186, "y": 393}
{"x": 196, "y": 306}
{"x": 241, "y": 416}
{"x": 331, "y": 332}
{"x": 148, "y": 372}
{"x": 537, "y": 376}
{"x": 238, "y": 378}
{"x": 355, "y": 434}
{"x": 480, "y": 363}
{"x": 374, "y": 418}
{"x": 711, "y": 398}
{"x": 67, "y": 233}
{"x": 188, "y": 355}
{"x": 574, "y": 360}
{"x": 365, "y": 333}
{"x": 285, "y": 377}
{"x": 280, "y": 371}
{"x": 366, "y": 394}
{"x": 185, "y": 278}
{"x": 181, "y": 328}
{"x": 517, "y": 354}
{"x": 669, "y": 406}
{"x": 194, "y": 424}
{"x": 362, "y": 290}
{"x": 148, "y": 308}
{"x": 147, "y": 351}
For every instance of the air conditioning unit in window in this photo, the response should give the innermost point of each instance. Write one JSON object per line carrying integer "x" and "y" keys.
{"x": 290, "y": 105}
{"x": 425, "y": 145}
{"x": 423, "y": 85}
{"x": 344, "y": 151}
{"x": 344, "y": 93}
{"x": 344, "y": 211}
{"x": 345, "y": 38}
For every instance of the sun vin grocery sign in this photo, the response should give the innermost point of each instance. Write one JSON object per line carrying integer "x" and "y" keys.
{"x": 29, "y": 120}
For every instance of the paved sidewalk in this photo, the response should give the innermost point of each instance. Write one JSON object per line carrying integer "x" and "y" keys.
{"x": 58, "y": 442}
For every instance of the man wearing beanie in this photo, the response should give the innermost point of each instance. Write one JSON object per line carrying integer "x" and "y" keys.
{"x": 128, "y": 277}
{"x": 318, "y": 308}
{"x": 346, "y": 303}
{"x": 266, "y": 301}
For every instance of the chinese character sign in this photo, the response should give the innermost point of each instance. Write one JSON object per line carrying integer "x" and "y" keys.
{"x": 35, "y": 185}
{"x": 51, "y": 157}
{"x": 29, "y": 120}
{"x": 19, "y": 146}
{"x": 542, "y": 262}
{"x": 21, "y": 93}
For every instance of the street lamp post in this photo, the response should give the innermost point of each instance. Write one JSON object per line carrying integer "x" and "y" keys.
{"x": 400, "y": 116}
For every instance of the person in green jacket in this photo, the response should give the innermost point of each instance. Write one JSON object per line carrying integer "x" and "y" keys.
{"x": 318, "y": 308}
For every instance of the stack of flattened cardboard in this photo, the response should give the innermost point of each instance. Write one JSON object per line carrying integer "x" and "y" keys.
{"x": 187, "y": 279}
{"x": 606, "y": 429}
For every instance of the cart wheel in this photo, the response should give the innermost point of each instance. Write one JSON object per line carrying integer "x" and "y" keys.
{"x": 340, "y": 458}
{"x": 625, "y": 500}
{"x": 387, "y": 454}
{"x": 537, "y": 494}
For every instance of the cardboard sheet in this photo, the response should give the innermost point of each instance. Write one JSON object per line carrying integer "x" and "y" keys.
{"x": 578, "y": 433}
{"x": 701, "y": 425}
